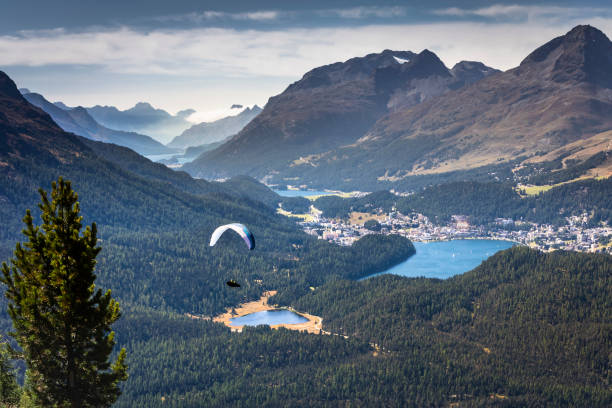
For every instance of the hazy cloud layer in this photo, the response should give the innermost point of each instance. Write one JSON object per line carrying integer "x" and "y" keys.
{"x": 286, "y": 53}
{"x": 542, "y": 14}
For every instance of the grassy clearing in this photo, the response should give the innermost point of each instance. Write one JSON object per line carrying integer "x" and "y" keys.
{"x": 526, "y": 190}
{"x": 305, "y": 217}
{"x": 332, "y": 193}
{"x": 359, "y": 218}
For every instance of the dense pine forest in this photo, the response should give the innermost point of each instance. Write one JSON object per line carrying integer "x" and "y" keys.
{"x": 523, "y": 329}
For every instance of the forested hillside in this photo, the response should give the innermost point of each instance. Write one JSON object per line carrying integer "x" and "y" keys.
{"x": 484, "y": 202}
{"x": 523, "y": 329}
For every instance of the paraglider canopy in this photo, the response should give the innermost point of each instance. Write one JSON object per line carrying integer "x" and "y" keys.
{"x": 232, "y": 283}
{"x": 243, "y": 231}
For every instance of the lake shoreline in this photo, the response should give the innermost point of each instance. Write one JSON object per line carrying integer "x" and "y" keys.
{"x": 485, "y": 238}
{"x": 442, "y": 259}
{"x": 313, "y": 325}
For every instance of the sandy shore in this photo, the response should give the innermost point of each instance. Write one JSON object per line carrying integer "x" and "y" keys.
{"x": 313, "y": 325}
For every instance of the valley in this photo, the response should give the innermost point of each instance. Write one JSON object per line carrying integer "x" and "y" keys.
{"x": 436, "y": 235}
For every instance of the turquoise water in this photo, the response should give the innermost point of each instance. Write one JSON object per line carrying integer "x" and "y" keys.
{"x": 299, "y": 193}
{"x": 268, "y": 317}
{"x": 447, "y": 258}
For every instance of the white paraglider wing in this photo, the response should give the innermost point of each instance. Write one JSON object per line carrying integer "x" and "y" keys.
{"x": 239, "y": 229}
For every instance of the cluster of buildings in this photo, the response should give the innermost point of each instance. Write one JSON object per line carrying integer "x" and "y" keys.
{"x": 574, "y": 236}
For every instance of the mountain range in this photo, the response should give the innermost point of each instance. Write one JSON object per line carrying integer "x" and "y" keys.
{"x": 378, "y": 121}
{"x": 78, "y": 121}
{"x": 212, "y": 132}
{"x": 334, "y": 105}
{"x": 143, "y": 118}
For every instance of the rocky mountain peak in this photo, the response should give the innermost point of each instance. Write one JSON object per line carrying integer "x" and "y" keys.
{"x": 426, "y": 63}
{"x": 584, "y": 54}
{"x": 357, "y": 68}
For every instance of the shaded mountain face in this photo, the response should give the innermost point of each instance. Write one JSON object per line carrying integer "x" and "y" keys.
{"x": 78, "y": 121}
{"x": 329, "y": 107}
{"x": 211, "y": 132}
{"x": 142, "y": 118}
{"x": 18, "y": 118}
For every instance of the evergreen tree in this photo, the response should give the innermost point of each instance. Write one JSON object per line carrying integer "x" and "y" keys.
{"x": 9, "y": 390}
{"x": 62, "y": 322}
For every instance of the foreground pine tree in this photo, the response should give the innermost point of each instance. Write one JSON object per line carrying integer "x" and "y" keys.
{"x": 62, "y": 322}
{"x": 9, "y": 390}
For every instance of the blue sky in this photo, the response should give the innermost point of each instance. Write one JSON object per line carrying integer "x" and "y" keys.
{"x": 207, "y": 55}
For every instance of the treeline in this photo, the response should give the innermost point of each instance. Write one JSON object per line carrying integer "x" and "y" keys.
{"x": 483, "y": 202}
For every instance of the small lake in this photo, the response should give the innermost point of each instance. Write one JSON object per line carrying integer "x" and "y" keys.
{"x": 447, "y": 258}
{"x": 300, "y": 193}
{"x": 269, "y": 317}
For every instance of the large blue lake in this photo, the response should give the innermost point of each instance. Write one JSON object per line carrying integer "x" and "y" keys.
{"x": 447, "y": 258}
{"x": 269, "y": 317}
{"x": 300, "y": 193}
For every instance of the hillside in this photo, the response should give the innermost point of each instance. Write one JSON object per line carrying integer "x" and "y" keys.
{"x": 217, "y": 131}
{"x": 558, "y": 97}
{"x": 329, "y": 107}
{"x": 522, "y": 329}
{"x": 78, "y": 121}
{"x": 152, "y": 219}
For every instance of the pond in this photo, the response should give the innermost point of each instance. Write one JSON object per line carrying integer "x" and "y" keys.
{"x": 269, "y": 317}
{"x": 447, "y": 258}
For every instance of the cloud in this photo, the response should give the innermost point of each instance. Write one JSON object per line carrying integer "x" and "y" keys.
{"x": 546, "y": 14}
{"x": 211, "y": 15}
{"x": 365, "y": 12}
{"x": 205, "y": 52}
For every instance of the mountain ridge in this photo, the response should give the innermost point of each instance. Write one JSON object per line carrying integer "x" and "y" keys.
{"x": 558, "y": 95}
{"x": 216, "y": 131}
{"x": 142, "y": 118}
{"x": 330, "y": 106}
{"x": 78, "y": 121}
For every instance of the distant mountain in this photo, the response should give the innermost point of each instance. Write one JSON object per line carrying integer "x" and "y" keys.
{"x": 185, "y": 113}
{"x": 78, "y": 121}
{"x": 62, "y": 105}
{"x": 561, "y": 94}
{"x": 211, "y": 132}
{"x": 142, "y": 118}
{"x": 331, "y": 106}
